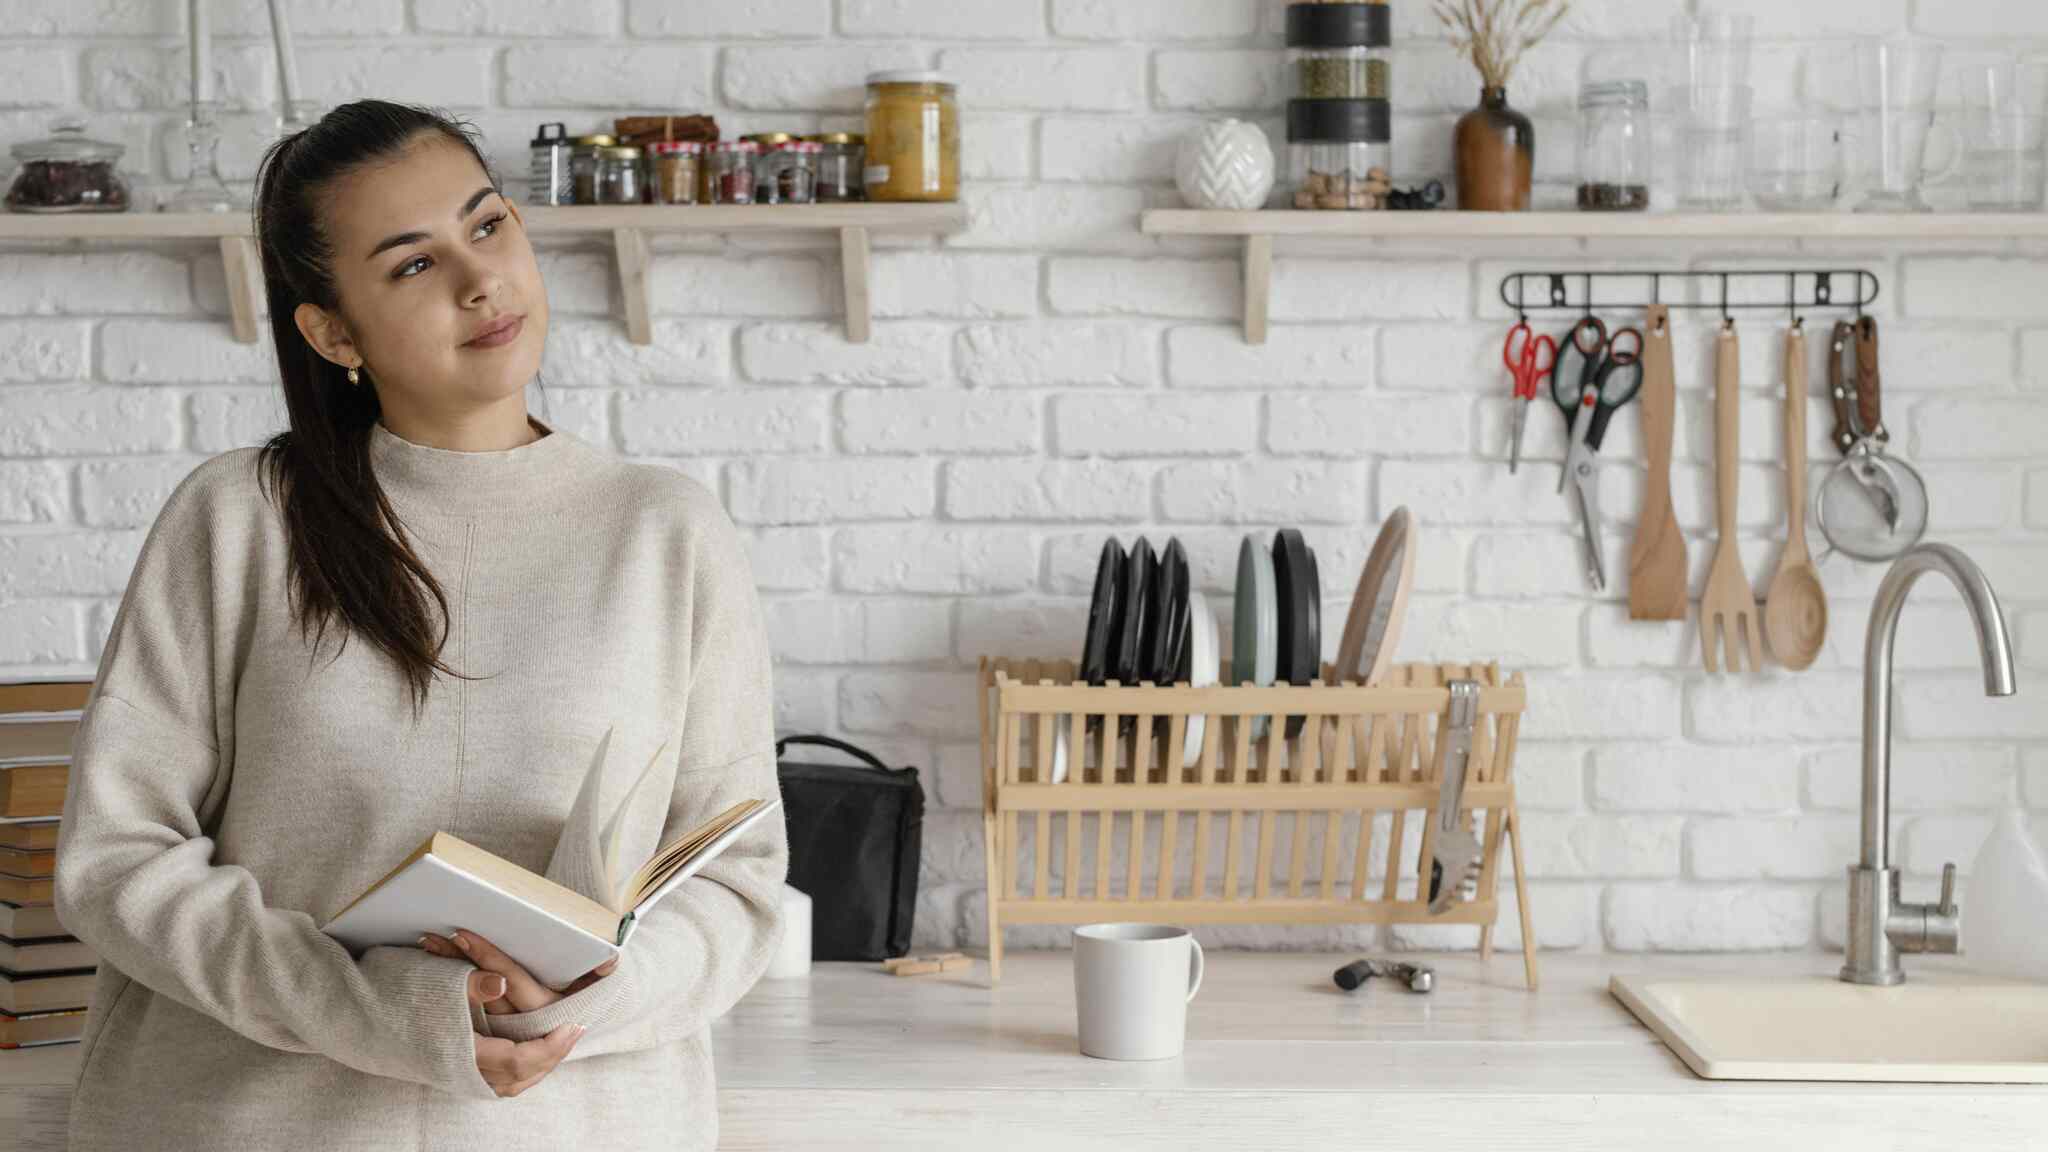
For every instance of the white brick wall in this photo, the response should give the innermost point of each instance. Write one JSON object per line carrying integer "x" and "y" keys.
{"x": 1052, "y": 375}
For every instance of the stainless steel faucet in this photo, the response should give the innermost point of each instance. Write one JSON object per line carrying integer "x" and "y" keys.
{"x": 1881, "y": 926}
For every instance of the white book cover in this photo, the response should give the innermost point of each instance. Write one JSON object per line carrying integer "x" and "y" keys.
{"x": 431, "y": 895}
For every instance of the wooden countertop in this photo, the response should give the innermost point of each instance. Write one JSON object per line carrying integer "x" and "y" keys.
{"x": 1277, "y": 1056}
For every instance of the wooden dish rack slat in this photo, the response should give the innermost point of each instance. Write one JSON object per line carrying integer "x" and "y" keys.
{"x": 1377, "y": 750}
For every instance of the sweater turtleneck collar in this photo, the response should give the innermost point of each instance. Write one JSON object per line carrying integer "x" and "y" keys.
{"x": 471, "y": 483}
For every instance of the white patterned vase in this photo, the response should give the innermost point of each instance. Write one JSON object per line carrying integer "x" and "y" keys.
{"x": 1224, "y": 164}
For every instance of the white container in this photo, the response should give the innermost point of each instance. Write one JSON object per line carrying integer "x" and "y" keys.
{"x": 2005, "y": 921}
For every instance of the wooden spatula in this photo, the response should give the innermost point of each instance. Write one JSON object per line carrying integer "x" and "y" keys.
{"x": 1729, "y": 605}
{"x": 1656, "y": 561}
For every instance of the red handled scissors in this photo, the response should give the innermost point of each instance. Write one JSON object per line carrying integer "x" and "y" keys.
{"x": 1530, "y": 358}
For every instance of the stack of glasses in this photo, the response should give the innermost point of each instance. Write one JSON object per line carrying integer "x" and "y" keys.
{"x": 1340, "y": 150}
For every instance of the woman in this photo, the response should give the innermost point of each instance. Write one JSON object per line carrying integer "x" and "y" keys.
{"x": 242, "y": 771}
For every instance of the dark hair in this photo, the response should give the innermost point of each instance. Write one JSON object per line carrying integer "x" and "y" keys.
{"x": 349, "y": 555}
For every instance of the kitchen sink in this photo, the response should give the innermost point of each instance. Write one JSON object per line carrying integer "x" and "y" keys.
{"x": 1949, "y": 1026}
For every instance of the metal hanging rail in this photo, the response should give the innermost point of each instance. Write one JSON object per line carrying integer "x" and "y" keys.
{"x": 1552, "y": 291}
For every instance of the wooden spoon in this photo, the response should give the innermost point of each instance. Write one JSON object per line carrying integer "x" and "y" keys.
{"x": 1656, "y": 560}
{"x": 1795, "y": 605}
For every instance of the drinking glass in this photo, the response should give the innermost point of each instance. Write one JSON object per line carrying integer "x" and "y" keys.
{"x": 1897, "y": 79}
{"x": 2003, "y": 134}
{"x": 1795, "y": 163}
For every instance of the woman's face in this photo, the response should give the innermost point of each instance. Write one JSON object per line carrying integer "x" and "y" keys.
{"x": 428, "y": 257}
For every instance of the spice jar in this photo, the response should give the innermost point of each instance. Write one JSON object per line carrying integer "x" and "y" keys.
{"x": 583, "y": 152}
{"x": 618, "y": 175}
{"x": 913, "y": 145}
{"x": 675, "y": 165}
{"x": 67, "y": 172}
{"x": 787, "y": 175}
{"x": 1614, "y": 146}
{"x": 729, "y": 172}
{"x": 841, "y": 155}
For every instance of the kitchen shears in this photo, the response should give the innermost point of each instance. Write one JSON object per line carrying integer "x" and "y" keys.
{"x": 1609, "y": 375}
{"x": 1529, "y": 358}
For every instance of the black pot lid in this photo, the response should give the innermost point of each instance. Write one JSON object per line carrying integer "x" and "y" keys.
{"x": 1137, "y": 606}
{"x": 1105, "y": 612}
{"x": 1294, "y": 575}
{"x": 1167, "y": 634}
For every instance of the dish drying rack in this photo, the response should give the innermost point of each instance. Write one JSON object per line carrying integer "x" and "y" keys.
{"x": 1375, "y": 750}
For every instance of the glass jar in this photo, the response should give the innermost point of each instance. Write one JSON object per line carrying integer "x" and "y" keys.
{"x": 67, "y": 172}
{"x": 788, "y": 174}
{"x": 1340, "y": 73}
{"x": 583, "y": 153}
{"x": 1339, "y": 51}
{"x": 1347, "y": 174}
{"x": 729, "y": 172}
{"x": 913, "y": 145}
{"x": 1614, "y": 146}
{"x": 618, "y": 175}
{"x": 841, "y": 155}
{"x": 675, "y": 164}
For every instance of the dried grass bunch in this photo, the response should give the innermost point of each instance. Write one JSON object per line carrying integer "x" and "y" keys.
{"x": 1495, "y": 33}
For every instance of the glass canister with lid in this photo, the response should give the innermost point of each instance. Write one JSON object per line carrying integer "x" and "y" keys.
{"x": 1340, "y": 51}
{"x": 1338, "y": 153}
{"x": 618, "y": 175}
{"x": 1614, "y": 146}
{"x": 841, "y": 156}
{"x": 913, "y": 137}
{"x": 787, "y": 174}
{"x": 673, "y": 171}
{"x": 583, "y": 153}
{"x": 729, "y": 172}
{"x": 68, "y": 171}
{"x": 1339, "y": 119}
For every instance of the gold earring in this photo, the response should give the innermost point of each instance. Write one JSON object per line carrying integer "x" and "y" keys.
{"x": 352, "y": 378}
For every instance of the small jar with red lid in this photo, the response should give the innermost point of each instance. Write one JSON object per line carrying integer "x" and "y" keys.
{"x": 729, "y": 172}
{"x": 788, "y": 174}
{"x": 673, "y": 171}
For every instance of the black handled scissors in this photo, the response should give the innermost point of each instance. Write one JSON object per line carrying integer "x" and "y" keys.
{"x": 1609, "y": 375}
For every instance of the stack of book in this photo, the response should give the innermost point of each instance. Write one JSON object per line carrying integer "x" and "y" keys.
{"x": 46, "y": 974}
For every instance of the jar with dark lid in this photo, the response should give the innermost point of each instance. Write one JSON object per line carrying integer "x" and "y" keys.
{"x": 1340, "y": 51}
{"x": 67, "y": 172}
{"x": 1339, "y": 119}
{"x": 1339, "y": 153}
{"x": 548, "y": 178}
{"x": 841, "y": 155}
{"x": 583, "y": 154}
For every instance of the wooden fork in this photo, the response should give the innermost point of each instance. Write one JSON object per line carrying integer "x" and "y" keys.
{"x": 1728, "y": 604}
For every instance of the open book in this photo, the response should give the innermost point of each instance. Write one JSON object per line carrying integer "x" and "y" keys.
{"x": 560, "y": 925}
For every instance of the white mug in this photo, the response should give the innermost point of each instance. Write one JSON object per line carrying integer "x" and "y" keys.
{"x": 1132, "y": 987}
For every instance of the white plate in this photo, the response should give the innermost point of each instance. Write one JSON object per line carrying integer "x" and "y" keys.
{"x": 1203, "y": 660}
{"x": 1255, "y": 637}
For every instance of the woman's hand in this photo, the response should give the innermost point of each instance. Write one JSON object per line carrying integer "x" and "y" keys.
{"x": 512, "y": 1066}
{"x": 516, "y": 990}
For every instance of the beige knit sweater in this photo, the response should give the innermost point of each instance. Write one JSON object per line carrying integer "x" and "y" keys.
{"x": 233, "y": 787}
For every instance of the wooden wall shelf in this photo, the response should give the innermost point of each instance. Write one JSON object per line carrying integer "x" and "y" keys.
{"x": 629, "y": 226}
{"x": 1258, "y": 228}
